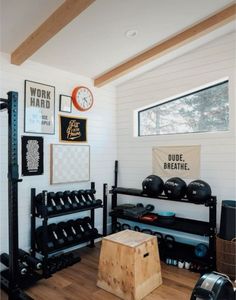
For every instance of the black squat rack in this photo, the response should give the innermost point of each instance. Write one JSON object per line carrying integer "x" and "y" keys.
{"x": 10, "y": 278}
{"x": 45, "y": 253}
{"x": 182, "y": 251}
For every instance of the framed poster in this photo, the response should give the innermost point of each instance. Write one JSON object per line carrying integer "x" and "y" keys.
{"x": 72, "y": 129}
{"x": 65, "y": 104}
{"x": 39, "y": 108}
{"x": 32, "y": 155}
{"x": 69, "y": 163}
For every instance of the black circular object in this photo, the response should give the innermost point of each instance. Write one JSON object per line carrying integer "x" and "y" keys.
{"x": 139, "y": 205}
{"x": 137, "y": 228}
{"x": 169, "y": 241}
{"x": 125, "y": 226}
{"x": 201, "y": 250}
{"x": 175, "y": 188}
{"x": 153, "y": 185}
{"x": 198, "y": 191}
{"x": 150, "y": 207}
{"x": 159, "y": 236}
{"x": 147, "y": 231}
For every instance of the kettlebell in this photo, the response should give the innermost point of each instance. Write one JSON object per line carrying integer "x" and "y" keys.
{"x": 137, "y": 228}
{"x": 147, "y": 231}
{"x": 159, "y": 237}
{"x": 125, "y": 226}
{"x": 150, "y": 207}
{"x": 169, "y": 242}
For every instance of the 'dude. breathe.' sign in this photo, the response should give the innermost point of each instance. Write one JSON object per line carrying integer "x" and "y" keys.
{"x": 176, "y": 161}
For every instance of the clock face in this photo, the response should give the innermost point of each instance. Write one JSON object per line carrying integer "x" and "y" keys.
{"x": 82, "y": 98}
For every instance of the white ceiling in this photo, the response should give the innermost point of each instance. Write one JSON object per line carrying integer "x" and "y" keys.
{"x": 95, "y": 41}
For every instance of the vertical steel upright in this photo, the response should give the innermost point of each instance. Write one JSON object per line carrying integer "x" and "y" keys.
{"x": 13, "y": 178}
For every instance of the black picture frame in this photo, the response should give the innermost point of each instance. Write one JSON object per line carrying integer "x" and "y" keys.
{"x": 32, "y": 155}
{"x": 72, "y": 129}
{"x": 63, "y": 105}
{"x": 39, "y": 108}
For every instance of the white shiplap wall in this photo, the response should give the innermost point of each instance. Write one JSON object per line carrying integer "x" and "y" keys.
{"x": 101, "y": 138}
{"x": 206, "y": 64}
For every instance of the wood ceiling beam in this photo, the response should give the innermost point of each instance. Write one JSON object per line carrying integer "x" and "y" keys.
{"x": 203, "y": 27}
{"x": 62, "y": 16}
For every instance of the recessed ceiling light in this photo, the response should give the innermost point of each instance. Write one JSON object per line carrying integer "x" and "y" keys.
{"x": 132, "y": 33}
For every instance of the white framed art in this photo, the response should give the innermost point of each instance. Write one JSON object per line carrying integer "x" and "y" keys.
{"x": 69, "y": 163}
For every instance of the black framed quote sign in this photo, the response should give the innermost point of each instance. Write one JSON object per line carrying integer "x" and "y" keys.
{"x": 39, "y": 108}
{"x": 32, "y": 155}
{"x": 73, "y": 129}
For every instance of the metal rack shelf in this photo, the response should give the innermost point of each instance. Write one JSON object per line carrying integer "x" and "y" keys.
{"x": 179, "y": 224}
{"x": 191, "y": 226}
{"x": 45, "y": 217}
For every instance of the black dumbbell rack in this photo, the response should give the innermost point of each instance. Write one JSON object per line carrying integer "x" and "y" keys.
{"x": 45, "y": 217}
{"x": 182, "y": 251}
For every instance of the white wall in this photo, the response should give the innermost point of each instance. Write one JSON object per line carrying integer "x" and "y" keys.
{"x": 101, "y": 138}
{"x": 206, "y": 64}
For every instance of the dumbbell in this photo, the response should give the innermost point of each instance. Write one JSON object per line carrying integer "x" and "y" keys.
{"x": 56, "y": 236}
{"x": 68, "y": 198}
{"x": 85, "y": 231}
{"x": 51, "y": 207}
{"x": 87, "y": 224}
{"x": 78, "y": 199}
{"x": 63, "y": 231}
{"x": 39, "y": 206}
{"x": 52, "y": 265}
{"x": 73, "y": 230}
{"x": 4, "y": 259}
{"x": 79, "y": 227}
{"x": 65, "y": 205}
{"x": 39, "y": 240}
{"x": 84, "y": 197}
{"x": 32, "y": 262}
{"x": 90, "y": 193}
{"x": 52, "y": 201}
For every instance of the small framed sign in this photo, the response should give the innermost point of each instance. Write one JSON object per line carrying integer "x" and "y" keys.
{"x": 73, "y": 129}
{"x": 39, "y": 108}
{"x": 32, "y": 155}
{"x": 65, "y": 104}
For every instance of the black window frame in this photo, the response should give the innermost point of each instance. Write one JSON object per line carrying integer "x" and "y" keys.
{"x": 174, "y": 99}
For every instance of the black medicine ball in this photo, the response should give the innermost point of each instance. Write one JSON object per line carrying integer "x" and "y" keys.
{"x": 198, "y": 191}
{"x": 153, "y": 185}
{"x": 175, "y": 188}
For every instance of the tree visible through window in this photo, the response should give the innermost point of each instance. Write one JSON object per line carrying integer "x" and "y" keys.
{"x": 206, "y": 110}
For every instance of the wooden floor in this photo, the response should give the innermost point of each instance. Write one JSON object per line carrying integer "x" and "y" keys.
{"x": 79, "y": 282}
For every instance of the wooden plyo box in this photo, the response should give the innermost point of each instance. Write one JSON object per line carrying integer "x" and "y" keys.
{"x": 129, "y": 265}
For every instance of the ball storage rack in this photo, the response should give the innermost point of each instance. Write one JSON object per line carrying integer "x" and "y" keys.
{"x": 185, "y": 225}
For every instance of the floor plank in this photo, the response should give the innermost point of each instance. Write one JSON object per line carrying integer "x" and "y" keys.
{"x": 79, "y": 282}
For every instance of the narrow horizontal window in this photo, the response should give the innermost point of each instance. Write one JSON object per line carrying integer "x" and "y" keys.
{"x": 205, "y": 110}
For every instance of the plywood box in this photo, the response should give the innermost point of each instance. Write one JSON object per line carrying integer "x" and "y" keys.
{"x": 129, "y": 265}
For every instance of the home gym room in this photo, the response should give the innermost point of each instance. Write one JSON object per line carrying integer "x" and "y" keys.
{"x": 118, "y": 149}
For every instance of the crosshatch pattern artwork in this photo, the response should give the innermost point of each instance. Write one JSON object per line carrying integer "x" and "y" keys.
{"x": 70, "y": 163}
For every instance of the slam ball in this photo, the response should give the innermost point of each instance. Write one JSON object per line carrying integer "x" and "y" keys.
{"x": 153, "y": 185}
{"x": 175, "y": 188}
{"x": 198, "y": 191}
